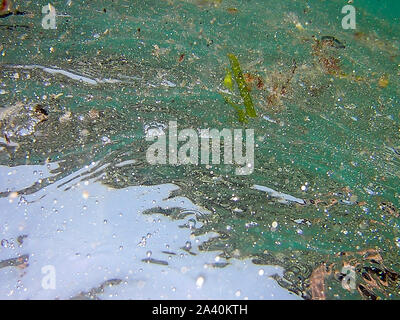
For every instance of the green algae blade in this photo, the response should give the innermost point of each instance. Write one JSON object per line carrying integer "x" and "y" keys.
{"x": 244, "y": 91}
{"x": 241, "y": 114}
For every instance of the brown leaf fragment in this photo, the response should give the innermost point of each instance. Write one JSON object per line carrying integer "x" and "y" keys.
{"x": 317, "y": 283}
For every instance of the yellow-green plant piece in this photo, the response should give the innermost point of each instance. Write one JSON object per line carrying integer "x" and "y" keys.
{"x": 243, "y": 89}
{"x": 228, "y": 81}
{"x": 241, "y": 114}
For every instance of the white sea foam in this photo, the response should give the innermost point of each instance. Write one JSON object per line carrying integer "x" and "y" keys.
{"x": 69, "y": 74}
{"x": 91, "y": 233}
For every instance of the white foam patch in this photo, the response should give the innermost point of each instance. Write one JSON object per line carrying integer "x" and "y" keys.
{"x": 69, "y": 74}
{"x": 89, "y": 233}
{"x": 280, "y": 195}
{"x": 20, "y": 177}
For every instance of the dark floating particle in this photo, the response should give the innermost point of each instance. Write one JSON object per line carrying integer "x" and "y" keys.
{"x": 41, "y": 113}
{"x": 217, "y": 265}
{"x": 169, "y": 252}
{"x": 155, "y": 261}
{"x": 14, "y": 262}
{"x": 333, "y": 42}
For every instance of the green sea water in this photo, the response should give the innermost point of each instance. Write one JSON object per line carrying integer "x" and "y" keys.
{"x": 331, "y": 137}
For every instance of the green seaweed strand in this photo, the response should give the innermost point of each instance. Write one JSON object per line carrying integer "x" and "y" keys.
{"x": 240, "y": 112}
{"x": 244, "y": 91}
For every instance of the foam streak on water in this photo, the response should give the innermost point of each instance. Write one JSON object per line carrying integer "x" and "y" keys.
{"x": 71, "y": 75}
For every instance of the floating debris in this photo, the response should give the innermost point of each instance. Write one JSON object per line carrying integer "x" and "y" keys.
{"x": 155, "y": 261}
{"x": 383, "y": 81}
{"x": 331, "y": 65}
{"x": 94, "y": 114}
{"x": 317, "y": 283}
{"x": 228, "y": 81}
{"x": 279, "y": 87}
{"x": 389, "y": 208}
{"x": 253, "y": 81}
{"x": 374, "y": 279}
{"x": 293, "y": 18}
{"x": 216, "y": 265}
{"x": 240, "y": 113}
{"x": 20, "y": 262}
{"x": 93, "y": 293}
{"x": 332, "y": 42}
{"x": 243, "y": 90}
{"x": 65, "y": 117}
{"x": 285, "y": 198}
{"x": 41, "y": 113}
{"x": 329, "y": 60}
{"x": 232, "y": 10}
{"x": 21, "y": 119}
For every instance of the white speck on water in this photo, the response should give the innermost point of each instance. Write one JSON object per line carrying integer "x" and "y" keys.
{"x": 200, "y": 282}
